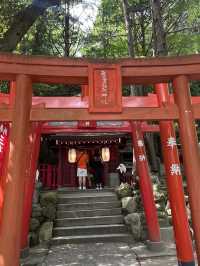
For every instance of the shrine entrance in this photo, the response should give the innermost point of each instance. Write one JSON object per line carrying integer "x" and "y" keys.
{"x": 55, "y": 168}
{"x": 102, "y": 102}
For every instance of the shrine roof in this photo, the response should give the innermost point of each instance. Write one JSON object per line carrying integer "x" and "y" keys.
{"x": 88, "y": 138}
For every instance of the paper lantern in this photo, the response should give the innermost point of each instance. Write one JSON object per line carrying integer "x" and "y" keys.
{"x": 105, "y": 154}
{"x": 72, "y": 155}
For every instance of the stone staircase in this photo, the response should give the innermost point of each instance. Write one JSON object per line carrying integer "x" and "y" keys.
{"x": 89, "y": 216}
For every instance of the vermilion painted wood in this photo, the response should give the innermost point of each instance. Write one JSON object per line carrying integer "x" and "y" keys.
{"x": 105, "y": 88}
{"x": 32, "y": 160}
{"x": 49, "y": 69}
{"x": 164, "y": 113}
{"x": 10, "y": 231}
{"x": 191, "y": 155}
{"x": 174, "y": 184}
{"x": 4, "y": 160}
{"x": 137, "y": 113}
{"x": 87, "y": 124}
{"x": 169, "y": 112}
{"x": 78, "y": 102}
{"x": 51, "y": 130}
{"x": 8, "y": 100}
{"x": 145, "y": 184}
{"x": 84, "y": 91}
{"x": 125, "y": 127}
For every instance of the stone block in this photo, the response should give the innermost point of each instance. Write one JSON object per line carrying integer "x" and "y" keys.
{"x": 33, "y": 238}
{"x": 49, "y": 211}
{"x": 133, "y": 220}
{"x": 129, "y": 204}
{"x": 34, "y": 224}
{"x": 45, "y": 231}
{"x": 36, "y": 210}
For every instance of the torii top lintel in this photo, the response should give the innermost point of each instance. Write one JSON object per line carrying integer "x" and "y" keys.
{"x": 75, "y": 71}
{"x": 103, "y": 104}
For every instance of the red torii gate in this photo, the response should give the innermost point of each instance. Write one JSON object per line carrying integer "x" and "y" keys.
{"x": 26, "y": 70}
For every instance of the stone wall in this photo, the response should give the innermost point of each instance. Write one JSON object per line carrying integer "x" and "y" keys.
{"x": 42, "y": 218}
{"x": 133, "y": 210}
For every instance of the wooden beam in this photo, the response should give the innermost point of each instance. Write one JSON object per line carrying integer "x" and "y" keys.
{"x": 45, "y": 73}
{"x": 155, "y": 74}
{"x": 5, "y": 114}
{"x": 166, "y": 113}
{"x": 75, "y": 71}
{"x": 196, "y": 111}
{"x": 51, "y": 130}
{"x": 131, "y": 113}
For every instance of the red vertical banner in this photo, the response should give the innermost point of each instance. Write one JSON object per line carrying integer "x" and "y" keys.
{"x": 105, "y": 89}
{"x": 4, "y": 129}
{"x": 33, "y": 148}
{"x": 4, "y": 134}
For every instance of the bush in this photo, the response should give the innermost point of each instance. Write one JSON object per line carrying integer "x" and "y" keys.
{"x": 124, "y": 190}
{"x": 48, "y": 198}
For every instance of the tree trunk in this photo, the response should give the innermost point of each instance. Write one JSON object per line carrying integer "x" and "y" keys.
{"x": 160, "y": 44}
{"x": 128, "y": 24}
{"x": 67, "y": 29}
{"x": 143, "y": 44}
{"x": 23, "y": 21}
{"x": 150, "y": 141}
{"x": 137, "y": 90}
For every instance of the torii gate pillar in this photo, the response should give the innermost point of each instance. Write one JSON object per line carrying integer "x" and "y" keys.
{"x": 174, "y": 184}
{"x": 10, "y": 231}
{"x": 146, "y": 189}
{"x": 191, "y": 156}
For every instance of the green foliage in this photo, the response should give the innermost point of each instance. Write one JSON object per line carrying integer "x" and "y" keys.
{"x": 55, "y": 90}
{"x": 4, "y": 87}
{"x": 183, "y": 27}
{"x": 195, "y": 88}
{"x": 108, "y": 36}
{"x": 8, "y": 9}
{"x": 124, "y": 190}
{"x": 51, "y": 34}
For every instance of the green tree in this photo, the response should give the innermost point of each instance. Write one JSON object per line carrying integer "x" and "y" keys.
{"x": 22, "y": 21}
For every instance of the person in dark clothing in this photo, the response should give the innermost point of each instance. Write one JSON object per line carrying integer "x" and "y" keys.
{"x": 97, "y": 166}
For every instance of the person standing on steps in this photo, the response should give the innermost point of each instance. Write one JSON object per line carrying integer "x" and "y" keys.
{"x": 122, "y": 173}
{"x": 82, "y": 161}
{"x": 97, "y": 165}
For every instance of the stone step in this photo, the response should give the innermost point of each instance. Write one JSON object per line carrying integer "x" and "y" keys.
{"x": 113, "y": 219}
{"x": 76, "y": 190}
{"x": 167, "y": 234}
{"x": 88, "y": 213}
{"x": 85, "y": 198}
{"x": 92, "y": 239}
{"x": 89, "y": 230}
{"x": 88, "y": 206}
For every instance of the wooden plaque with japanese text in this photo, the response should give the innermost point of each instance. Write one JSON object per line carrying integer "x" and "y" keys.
{"x": 87, "y": 124}
{"x": 105, "y": 92}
